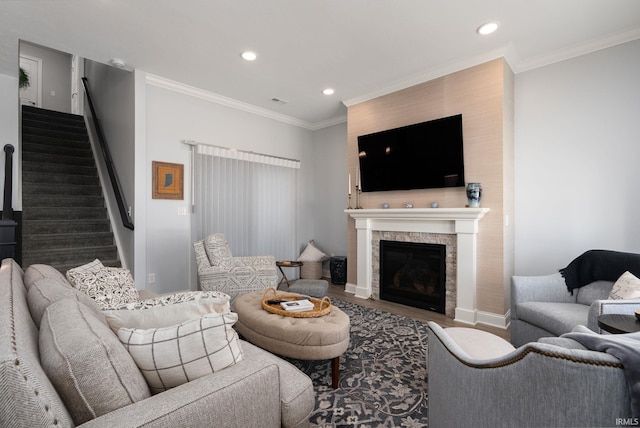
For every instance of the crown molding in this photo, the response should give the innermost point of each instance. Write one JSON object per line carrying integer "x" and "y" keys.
{"x": 181, "y": 88}
{"x": 329, "y": 122}
{"x": 578, "y": 50}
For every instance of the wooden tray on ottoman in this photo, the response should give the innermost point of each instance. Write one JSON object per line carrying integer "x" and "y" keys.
{"x": 321, "y": 306}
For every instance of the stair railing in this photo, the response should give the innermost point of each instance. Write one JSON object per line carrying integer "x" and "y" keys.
{"x": 113, "y": 176}
{"x": 7, "y": 209}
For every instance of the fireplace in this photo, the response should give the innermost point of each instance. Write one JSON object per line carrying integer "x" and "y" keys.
{"x": 413, "y": 274}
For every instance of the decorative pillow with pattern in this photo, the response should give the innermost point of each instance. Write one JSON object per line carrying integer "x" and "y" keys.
{"x": 626, "y": 287}
{"x": 218, "y": 251}
{"x": 108, "y": 286}
{"x": 168, "y": 357}
{"x": 91, "y": 267}
{"x": 168, "y": 314}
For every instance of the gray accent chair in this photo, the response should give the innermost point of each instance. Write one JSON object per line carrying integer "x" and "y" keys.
{"x": 218, "y": 270}
{"x": 542, "y": 306}
{"x": 476, "y": 380}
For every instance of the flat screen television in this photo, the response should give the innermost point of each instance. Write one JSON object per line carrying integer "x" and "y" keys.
{"x": 421, "y": 156}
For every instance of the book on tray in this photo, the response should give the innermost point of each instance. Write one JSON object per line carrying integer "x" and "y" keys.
{"x": 298, "y": 305}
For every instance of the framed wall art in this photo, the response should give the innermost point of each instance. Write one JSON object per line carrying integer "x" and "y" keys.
{"x": 168, "y": 180}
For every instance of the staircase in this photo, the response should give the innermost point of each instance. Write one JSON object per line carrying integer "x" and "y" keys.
{"x": 65, "y": 222}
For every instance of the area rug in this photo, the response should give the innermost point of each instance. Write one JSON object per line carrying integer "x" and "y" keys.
{"x": 383, "y": 373}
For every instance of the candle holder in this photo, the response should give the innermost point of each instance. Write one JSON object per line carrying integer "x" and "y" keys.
{"x": 349, "y": 207}
{"x": 358, "y": 191}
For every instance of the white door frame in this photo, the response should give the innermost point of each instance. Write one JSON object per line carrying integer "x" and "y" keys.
{"x": 77, "y": 70}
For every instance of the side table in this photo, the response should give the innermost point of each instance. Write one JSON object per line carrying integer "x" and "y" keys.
{"x": 286, "y": 263}
{"x": 619, "y": 323}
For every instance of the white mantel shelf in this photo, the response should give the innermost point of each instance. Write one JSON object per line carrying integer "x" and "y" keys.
{"x": 463, "y": 222}
{"x": 419, "y": 213}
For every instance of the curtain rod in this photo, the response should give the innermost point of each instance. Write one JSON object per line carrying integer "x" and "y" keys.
{"x": 196, "y": 143}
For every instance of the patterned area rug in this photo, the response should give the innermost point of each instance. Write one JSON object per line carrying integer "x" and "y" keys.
{"x": 383, "y": 373}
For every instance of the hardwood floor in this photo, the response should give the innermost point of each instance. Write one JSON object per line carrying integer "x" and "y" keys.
{"x": 337, "y": 291}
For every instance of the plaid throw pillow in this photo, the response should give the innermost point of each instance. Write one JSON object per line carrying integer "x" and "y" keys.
{"x": 171, "y": 356}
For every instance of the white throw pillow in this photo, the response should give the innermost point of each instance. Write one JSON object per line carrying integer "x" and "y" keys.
{"x": 626, "y": 287}
{"x": 312, "y": 254}
{"x": 171, "y": 356}
{"x": 91, "y": 267}
{"x": 167, "y": 315}
{"x": 173, "y": 298}
{"x": 107, "y": 286}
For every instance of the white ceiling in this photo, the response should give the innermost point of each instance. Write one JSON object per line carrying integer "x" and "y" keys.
{"x": 361, "y": 48}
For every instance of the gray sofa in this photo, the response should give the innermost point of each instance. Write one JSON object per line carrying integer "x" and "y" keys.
{"x": 542, "y": 306}
{"x": 480, "y": 380}
{"x": 261, "y": 390}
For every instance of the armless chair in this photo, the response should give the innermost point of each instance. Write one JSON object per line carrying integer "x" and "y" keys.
{"x": 218, "y": 270}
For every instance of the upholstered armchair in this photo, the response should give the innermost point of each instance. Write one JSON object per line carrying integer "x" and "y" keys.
{"x": 218, "y": 270}
{"x": 478, "y": 379}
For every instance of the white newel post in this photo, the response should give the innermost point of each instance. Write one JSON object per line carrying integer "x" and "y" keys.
{"x": 463, "y": 222}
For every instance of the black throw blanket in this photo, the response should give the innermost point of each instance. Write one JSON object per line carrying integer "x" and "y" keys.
{"x": 599, "y": 265}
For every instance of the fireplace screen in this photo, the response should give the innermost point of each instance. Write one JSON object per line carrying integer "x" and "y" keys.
{"x": 413, "y": 274}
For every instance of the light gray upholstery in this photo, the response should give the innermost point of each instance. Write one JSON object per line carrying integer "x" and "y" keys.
{"x": 262, "y": 390}
{"x": 535, "y": 385}
{"x": 219, "y": 271}
{"x": 541, "y": 306}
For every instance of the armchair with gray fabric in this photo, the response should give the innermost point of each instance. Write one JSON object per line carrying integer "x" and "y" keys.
{"x": 551, "y": 305}
{"x": 480, "y": 380}
{"x": 218, "y": 270}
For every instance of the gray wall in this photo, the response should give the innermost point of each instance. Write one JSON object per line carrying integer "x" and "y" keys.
{"x": 330, "y": 190}
{"x": 113, "y": 96}
{"x": 163, "y": 237}
{"x": 56, "y": 76}
{"x": 577, "y": 149}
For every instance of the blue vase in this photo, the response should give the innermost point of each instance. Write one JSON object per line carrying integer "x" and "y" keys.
{"x": 474, "y": 194}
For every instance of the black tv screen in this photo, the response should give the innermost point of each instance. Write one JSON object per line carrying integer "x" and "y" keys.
{"x": 420, "y": 156}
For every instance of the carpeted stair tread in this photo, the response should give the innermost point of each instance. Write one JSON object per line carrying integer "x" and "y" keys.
{"x": 48, "y": 226}
{"x": 69, "y": 189}
{"x": 47, "y": 114}
{"x": 65, "y": 220}
{"x": 63, "y": 150}
{"x": 59, "y": 168}
{"x": 55, "y": 142}
{"x": 66, "y": 240}
{"x": 63, "y": 213}
{"x": 59, "y": 179}
{"x": 76, "y": 126}
{"x": 58, "y": 158}
{"x": 71, "y": 136}
{"x": 70, "y": 255}
{"x": 61, "y": 201}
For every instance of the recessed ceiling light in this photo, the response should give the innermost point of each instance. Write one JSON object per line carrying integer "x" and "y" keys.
{"x": 249, "y": 55}
{"x": 487, "y": 28}
{"x": 328, "y": 91}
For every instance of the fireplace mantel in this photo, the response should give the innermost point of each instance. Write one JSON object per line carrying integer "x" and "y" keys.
{"x": 463, "y": 222}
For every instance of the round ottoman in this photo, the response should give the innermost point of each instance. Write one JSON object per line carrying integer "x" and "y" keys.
{"x": 321, "y": 338}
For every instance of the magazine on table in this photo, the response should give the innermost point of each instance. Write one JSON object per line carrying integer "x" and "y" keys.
{"x": 297, "y": 305}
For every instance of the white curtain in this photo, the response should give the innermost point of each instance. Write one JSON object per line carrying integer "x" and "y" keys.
{"x": 249, "y": 197}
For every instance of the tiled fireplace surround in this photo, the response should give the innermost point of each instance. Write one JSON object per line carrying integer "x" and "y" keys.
{"x": 456, "y": 228}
